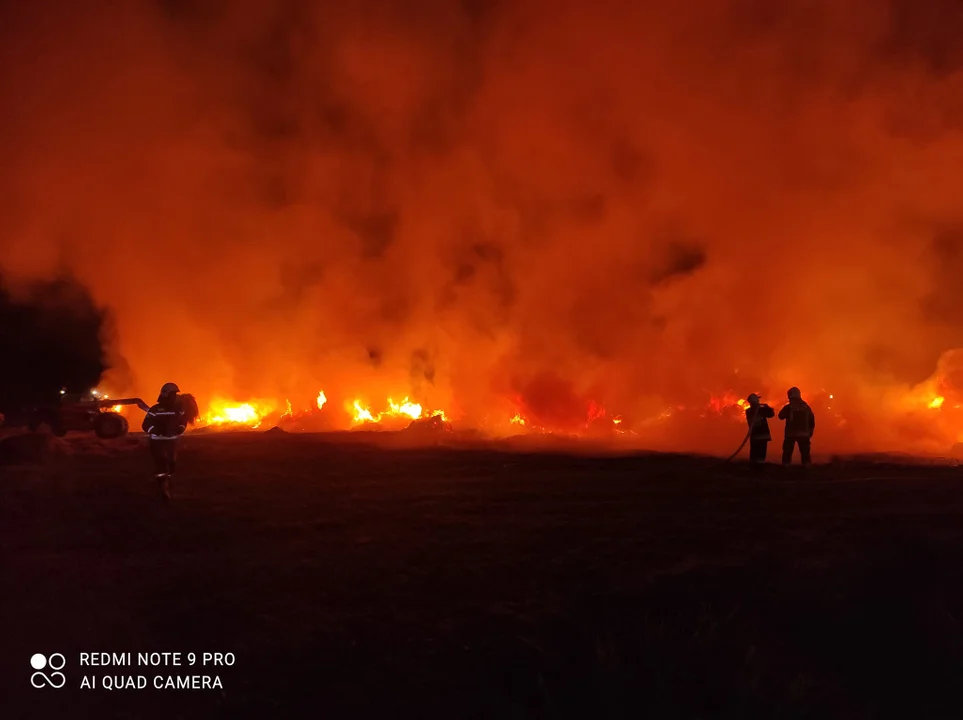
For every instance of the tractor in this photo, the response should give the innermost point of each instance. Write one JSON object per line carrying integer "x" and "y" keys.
{"x": 84, "y": 412}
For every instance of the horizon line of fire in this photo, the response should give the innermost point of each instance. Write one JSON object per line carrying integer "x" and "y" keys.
{"x": 232, "y": 414}
{"x": 252, "y": 414}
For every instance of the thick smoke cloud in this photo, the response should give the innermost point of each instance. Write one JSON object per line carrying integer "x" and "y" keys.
{"x": 476, "y": 203}
{"x": 51, "y": 340}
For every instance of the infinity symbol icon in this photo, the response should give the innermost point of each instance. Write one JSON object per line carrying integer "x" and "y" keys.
{"x": 55, "y": 679}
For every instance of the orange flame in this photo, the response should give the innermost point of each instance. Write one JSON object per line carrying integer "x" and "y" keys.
{"x": 405, "y": 409}
{"x": 363, "y": 414}
{"x": 595, "y": 411}
{"x": 226, "y": 413}
{"x": 412, "y": 410}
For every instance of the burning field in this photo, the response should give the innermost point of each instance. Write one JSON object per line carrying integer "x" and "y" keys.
{"x": 381, "y": 244}
{"x": 924, "y": 420}
{"x": 568, "y": 218}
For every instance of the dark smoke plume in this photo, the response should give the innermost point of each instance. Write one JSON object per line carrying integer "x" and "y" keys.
{"x": 50, "y": 339}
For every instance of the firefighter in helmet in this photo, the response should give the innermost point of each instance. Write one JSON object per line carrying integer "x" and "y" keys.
{"x": 800, "y": 425}
{"x": 164, "y": 423}
{"x": 757, "y": 417}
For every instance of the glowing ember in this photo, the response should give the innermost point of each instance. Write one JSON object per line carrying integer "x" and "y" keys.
{"x": 595, "y": 411}
{"x": 322, "y": 399}
{"x": 518, "y": 420}
{"x": 617, "y": 420}
{"x": 718, "y": 404}
{"x": 726, "y": 404}
{"x": 100, "y": 395}
{"x": 937, "y": 402}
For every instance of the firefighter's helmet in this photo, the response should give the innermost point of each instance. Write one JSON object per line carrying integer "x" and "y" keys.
{"x": 753, "y": 399}
{"x": 794, "y": 394}
{"x": 169, "y": 389}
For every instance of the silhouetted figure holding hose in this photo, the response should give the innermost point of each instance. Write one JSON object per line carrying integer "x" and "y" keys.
{"x": 757, "y": 417}
{"x": 800, "y": 425}
{"x": 165, "y": 422}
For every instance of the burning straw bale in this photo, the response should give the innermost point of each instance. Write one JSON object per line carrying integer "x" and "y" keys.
{"x": 189, "y": 406}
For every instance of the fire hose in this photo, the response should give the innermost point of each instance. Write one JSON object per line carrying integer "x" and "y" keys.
{"x": 752, "y": 420}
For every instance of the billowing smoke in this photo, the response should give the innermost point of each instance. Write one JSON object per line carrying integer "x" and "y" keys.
{"x": 496, "y": 205}
{"x": 51, "y": 340}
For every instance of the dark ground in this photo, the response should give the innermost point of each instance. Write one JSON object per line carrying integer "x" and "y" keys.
{"x": 351, "y": 581}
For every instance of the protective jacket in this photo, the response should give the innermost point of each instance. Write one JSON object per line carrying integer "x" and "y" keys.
{"x": 800, "y": 419}
{"x": 757, "y": 419}
{"x": 164, "y": 421}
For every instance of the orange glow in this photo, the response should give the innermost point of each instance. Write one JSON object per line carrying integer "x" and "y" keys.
{"x": 101, "y": 395}
{"x": 363, "y": 414}
{"x": 223, "y": 413}
{"x": 595, "y": 411}
{"x": 728, "y": 403}
{"x": 405, "y": 410}
{"x": 484, "y": 214}
{"x": 412, "y": 410}
{"x": 226, "y": 415}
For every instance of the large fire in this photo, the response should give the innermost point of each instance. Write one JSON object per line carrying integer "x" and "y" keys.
{"x": 405, "y": 410}
{"x": 928, "y": 415}
{"x": 225, "y": 413}
{"x": 484, "y": 214}
{"x": 934, "y": 404}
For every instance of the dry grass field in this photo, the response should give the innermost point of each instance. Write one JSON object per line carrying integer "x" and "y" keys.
{"x": 352, "y": 578}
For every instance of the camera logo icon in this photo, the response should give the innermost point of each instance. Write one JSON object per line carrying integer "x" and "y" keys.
{"x": 55, "y": 679}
